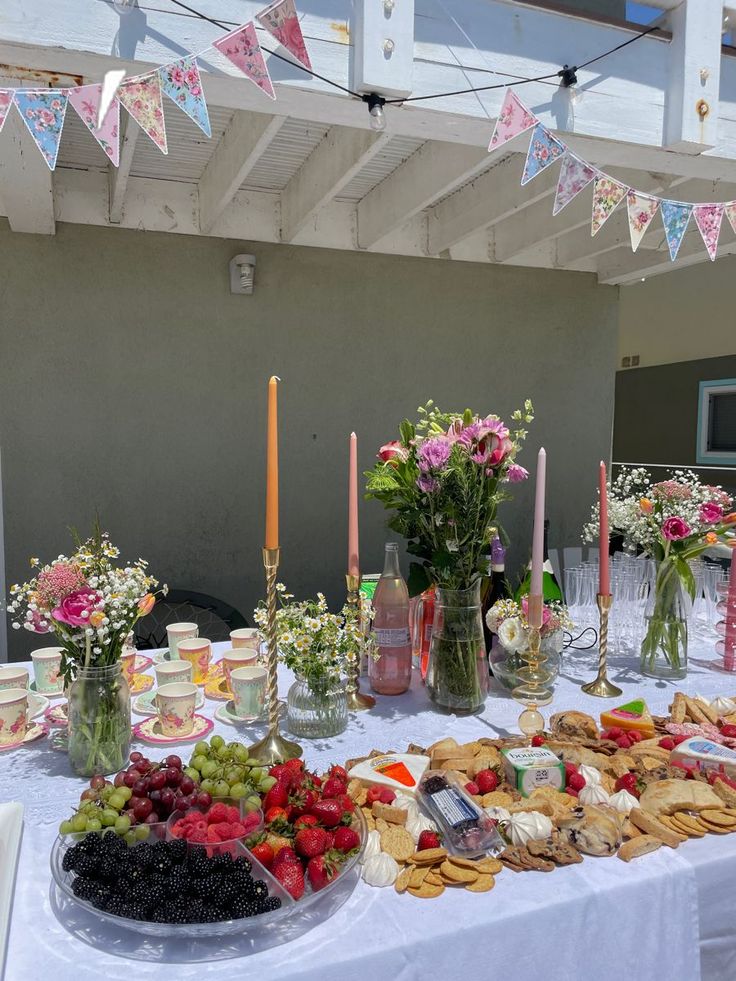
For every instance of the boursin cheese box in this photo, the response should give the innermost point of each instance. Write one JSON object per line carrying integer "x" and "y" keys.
{"x": 533, "y": 766}
{"x": 706, "y": 755}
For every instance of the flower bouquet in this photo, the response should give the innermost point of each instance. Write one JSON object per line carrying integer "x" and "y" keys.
{"x": 91, "y": 605}
{"x": 319, "y": 647}
{"x": 672, "y": 522}
{"x": 508, "y": 620}
{"x": 443, "y": 480}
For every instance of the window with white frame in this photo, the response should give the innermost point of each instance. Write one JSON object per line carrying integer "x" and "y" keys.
{"x": 717, "y": 422}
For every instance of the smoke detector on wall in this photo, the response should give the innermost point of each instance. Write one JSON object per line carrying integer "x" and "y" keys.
{"x": 242, "y": 274}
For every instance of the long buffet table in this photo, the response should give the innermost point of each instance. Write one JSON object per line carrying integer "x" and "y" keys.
{"x": 667, "y": 915}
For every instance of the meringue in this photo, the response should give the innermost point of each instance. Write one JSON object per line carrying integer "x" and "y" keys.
{"x": 499, "y": 814}
{"x": 590, "y": 775}
{"x": 527, "y": 826}
{"x": 623, "y": 802}
{"x": 417, "y": 823}
{"x": 723, "y": 706}
{"x": 593, "y": 794}
{"x": 372, "y": 845}
{"x": 380, "y": 870}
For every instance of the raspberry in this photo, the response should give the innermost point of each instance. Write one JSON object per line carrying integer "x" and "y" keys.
{"x": 538, "y": 740}
{"x": 233, "y": 814}
{"x": 571, "y": 792}
{"x": 387, "y": 796}
{"x": 373, "y": 795}
{"x": 472, "y": 788}
{"x": 679, "y": 739}
{"x": 218, "y": 812}
{"x": 635, "y": 736}
{"x": 614, "y": 732}
{"x": 570, "y": 768}
{"x": 667, "y": 742}
{"x": 623, "y": 742}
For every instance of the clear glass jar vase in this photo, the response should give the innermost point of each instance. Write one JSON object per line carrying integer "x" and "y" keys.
{"x": 314, "y": 713}
{"x": 505, "y": 663}
{"x": 664, "y": 648}
{"x": 457, "y": 672}
{"x": 99, "y": 720}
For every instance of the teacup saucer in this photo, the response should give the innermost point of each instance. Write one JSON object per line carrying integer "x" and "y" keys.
{"x": 34, "y": 731}
{"x": 216, "y": 687}
{"x": 46, "y": 694}
{"x": 140, "y": 683}
{"x": 37, "y": 705}
{"x": 149, "y": 731}
{"x": 56, "y": 715}
{"x": 145, "y": 705}
{"x": 226, "y": 713}
{"x": 141, "y": 663}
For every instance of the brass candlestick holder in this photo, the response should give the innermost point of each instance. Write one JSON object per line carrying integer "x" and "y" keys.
{"x": 357, "y": 700}
{"x": 273, "y": 748}
{"x": 535, "y": 678}
{"x": 601, "y": 686}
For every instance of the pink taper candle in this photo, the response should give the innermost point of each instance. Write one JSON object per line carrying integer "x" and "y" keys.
{"x": 538, "y": 539}
{"x": 729, "y": 645}
{"x": 604, "y": 582}
{"x": 353, "y": 556}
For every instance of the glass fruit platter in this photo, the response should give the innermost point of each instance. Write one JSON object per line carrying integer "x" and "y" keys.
{"x": 247, "y": 924}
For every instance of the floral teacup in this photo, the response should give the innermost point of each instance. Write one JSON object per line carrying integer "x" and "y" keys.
{"x": 246, "y": 637}
{"x": 169, "y": 672}
{"x": 176, "y": 632}
{"x": 12, "y": 677}
{"x": 249, "y": 691}
{"x": 46, "y": 669}
{"x": 13, "y": 715}
{"x": 198, "y": 651}
{"x": 175, "y": 704}
{"x": 242, "y": 658}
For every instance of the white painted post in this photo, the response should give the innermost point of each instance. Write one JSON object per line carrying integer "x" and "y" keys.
{"x": 691, "y": 97}
{"x": 383, "y": 47}
{"x": 3, "y": 593}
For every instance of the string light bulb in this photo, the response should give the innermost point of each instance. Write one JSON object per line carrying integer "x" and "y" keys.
{"x": 375, "y": 111}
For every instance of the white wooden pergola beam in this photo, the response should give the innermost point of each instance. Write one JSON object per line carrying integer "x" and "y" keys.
{"x": 241, "y": 146}
{"x": 492, "y": 196}
{"x": 327, "y": 170}
{"x": 118, "y": 176}
{"x": 26, "y": 183}
{"x": 434, "y": 170}
{"x": 623, "y": 266}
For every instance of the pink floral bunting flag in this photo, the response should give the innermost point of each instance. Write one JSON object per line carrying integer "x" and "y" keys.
{"x": 242, "y": 48}
{"x": 730, "y": 212}
{"x": 85, "y": 100}
{"x": 43, "y": 112}
{"x": 6, "y": 100}
{"x": 575, "y": 175}
{"x": 708, "y": 218}
{"x": 142, "y": 98}
{"x": 514, "y": 119}
{"x": 281, "y": 21}
{"x": 642, "y": 209}
{"x": 607, "y": 195}
{"x": 182, "y": 83}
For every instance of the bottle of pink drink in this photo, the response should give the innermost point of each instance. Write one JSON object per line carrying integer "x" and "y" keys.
{"x": 390, "y": 674}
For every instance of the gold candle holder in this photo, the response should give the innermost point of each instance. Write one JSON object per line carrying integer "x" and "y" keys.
{"x": 535, "y": 678}
{"x": 273, "y": 748}
{"x": 601, "y": 686}
{"x": 357, "y": 700}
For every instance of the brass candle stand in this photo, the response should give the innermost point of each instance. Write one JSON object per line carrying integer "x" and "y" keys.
{"x": 357, "y": 700}
{"x": 601, "y": 686}
{"x": 273, "y": 748}
{"x": 533, "y": 691}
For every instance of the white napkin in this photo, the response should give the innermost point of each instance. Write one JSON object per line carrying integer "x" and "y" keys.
{"x": 11, "y": 822}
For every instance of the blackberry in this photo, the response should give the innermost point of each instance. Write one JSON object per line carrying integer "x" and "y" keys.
{"x": 86, "y": 865}
{"x": 175, "y": 911}
{"x": 178, "y": 882}
{"x": 142, "y": 855}
{"x": 218, "y": 913}
{"x": 210, "y": 914}
{"x": 178, "y": 850}
{"x": 116, "y": 905}
{"x": 196, "y": 910}
{"x": 134, "y": 874}
{"x": 241, "y": 862}
{"x": 210, "y": 887}
{"x": 70, "y": 858}
{"x": 108, "y": 869}
{"x": 260, "y": 889}
{"x": 99, "y": 895}
{"x": 242, "y": 879}
{"x": 271, "y": 903}
{"x": 162, "y": 863}
{"x": 137, "y": 911}
{"x": 227, "y": 892}
{"x": 223, "y": 862}
{"x": 83, "y": 888}
{"x": 197, "y": 861}
{"x": 90, "y": 844}
{"x": 245, "y": 907}
{"x": 112, "y": 843}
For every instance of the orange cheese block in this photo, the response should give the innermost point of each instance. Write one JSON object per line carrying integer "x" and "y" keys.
{"x": 632, "y": 715}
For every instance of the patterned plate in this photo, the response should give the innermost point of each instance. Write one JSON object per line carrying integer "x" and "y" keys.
{"x": 46, "y": 694}
{"x": 141, "y": 663}
{"x": 226, "y": 713}
{"x": 34, "y": 731}
{"x": 149, "y": 731}
{"x": 144, "y": 704}
{"x": 56, "y": 715}
{"x": 37, "y": 704}
{"x": 140, "y": 683}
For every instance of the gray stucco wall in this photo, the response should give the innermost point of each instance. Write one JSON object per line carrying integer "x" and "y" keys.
{"x": 134, "y": 383}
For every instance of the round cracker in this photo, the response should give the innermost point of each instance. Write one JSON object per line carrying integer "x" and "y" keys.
{"x": 484, "y": 883}
{"x": 456, "y": 874}
{"x": 403, "y": 879}
{"x": 427, "y": 891}
{"x": 398, "y": 843}
{"x": 718, "y": 817}
{"x": 686, "y": 825}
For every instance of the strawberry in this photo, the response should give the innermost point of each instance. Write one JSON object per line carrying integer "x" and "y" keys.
{"x": 373, "y": 794}
{"x": 471, "y": 788}
{"x": 629, "y": 781}
{"x": 275, "y": 814}
{"x": 311, "y": 841}
{"x": 339, "y": 772}
{"x": 264, "y": 853}
{"x": 346, "y": 840}
{"x": 278, "y": 770}
{"x": 571, "y": 792}
{"x": 570, "y": 768}
{"x": 346, "y": 802}
{"x": 315, "y": 780}
{"x": 305, "y": 821}
{"x": 538, "y": 740}
{"x": 333, "y": 787}
{"x": 679, "y": 739}
{"x": 327, "y": 812}
{"x": 285, "y": 855}
{"x": 387, "y": 796}
{"x": 576, "y": 782}
{"x": 278, "y": 842}
{"x": 277, "y": 796}
{"x": 295, "y": 765}
{"x": 291, "y": 877}
{"x": 667, "y": 742}
{"x": 301, "y": 801}
{"x": 321, "y": 870}
{"x": 428, "y": 839}
{"x": 487, "y": 781}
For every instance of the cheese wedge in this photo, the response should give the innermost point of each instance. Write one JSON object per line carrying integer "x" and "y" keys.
{"x": 632, "y": 715}
{"x": 400, "y": 771}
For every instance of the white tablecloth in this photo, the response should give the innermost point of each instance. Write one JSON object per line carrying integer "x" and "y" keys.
{"x": 665, "y": 916}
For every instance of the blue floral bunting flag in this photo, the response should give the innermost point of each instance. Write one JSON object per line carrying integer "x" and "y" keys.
{"x": 43, "y": 112}
{"x": 182, "y": 83}
{"x": 544, "y": 149}
{"x": 675, "y": 218}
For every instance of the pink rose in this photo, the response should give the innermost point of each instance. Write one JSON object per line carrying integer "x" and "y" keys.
{"x": 391, "y": 450}
{"x": 545, "y": 611}
{"x": 76, "y": 608}
{"x": 674, "y": 529}
{"x": 710, "y": 512}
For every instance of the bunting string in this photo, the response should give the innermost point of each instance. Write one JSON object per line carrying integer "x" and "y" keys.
{"x": 576, "y": 174}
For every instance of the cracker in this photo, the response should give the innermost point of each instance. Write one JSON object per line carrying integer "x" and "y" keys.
{"x": 638, "y": 846}
{"x": 529, "y": 806}
{"x": 650, "y": 825}
{"x": 685, "y": 824}
{"x": 434, "y": 878}
{"x": 403, "y": 880}
{"x": 398, "y": 843}
{"x": 708, "y": 712}
{"x": 718, "y": 817}
{"x": 695, "y": 711}
{"x": 390, "y": 814}
{"x": 707, "y": 826}
{"x": 497, "y": 798}
{"x": 417, "y": 875}
{"x": 381, "y": 825}
{"x": 428, "y": 856}
{"x": 484, "y": 883}
{"x": 727, "y": 794}
{"x": 427, "y": 890}
{"x": 679, "y": 708}
{"x": 456, "y": 874}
